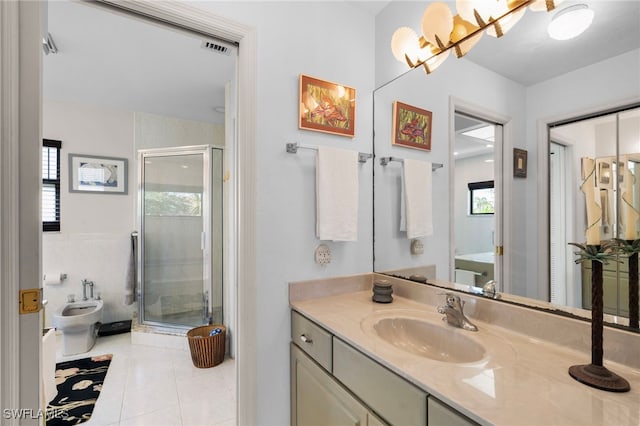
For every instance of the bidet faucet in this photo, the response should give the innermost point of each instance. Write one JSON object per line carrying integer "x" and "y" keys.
{"x": 454, "y": 314}
{"x": 85, "y": 283}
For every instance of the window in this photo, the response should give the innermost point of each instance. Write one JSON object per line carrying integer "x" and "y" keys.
{"x": 51, "y": 185}
{"x": 481, "y": 198}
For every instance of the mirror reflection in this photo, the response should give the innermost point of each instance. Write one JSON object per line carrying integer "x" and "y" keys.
{"x": 531, "y": 104}
{"x": 612, "y": 141}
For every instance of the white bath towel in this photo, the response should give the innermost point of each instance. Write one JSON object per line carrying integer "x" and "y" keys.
{"x": 337, "y": 194}
{"x": 416, "y": 210}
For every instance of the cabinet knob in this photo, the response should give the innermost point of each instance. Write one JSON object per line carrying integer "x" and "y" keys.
{"x": 305, "y": 339}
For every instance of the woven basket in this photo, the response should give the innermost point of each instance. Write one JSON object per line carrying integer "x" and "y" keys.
{"x": 206, "y": 351}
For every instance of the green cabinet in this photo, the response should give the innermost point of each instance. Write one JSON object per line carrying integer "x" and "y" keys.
{"x": 318, "y": 399}
{"x": 615, "y": 287}
{"x": 332, "y": 383}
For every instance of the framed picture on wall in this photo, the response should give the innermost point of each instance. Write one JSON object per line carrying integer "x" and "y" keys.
{"x": 327, "y": 107}
{"x": 519, "y": 163}
{"x": 411, "y": 126}
{"x": 99, "y": 175}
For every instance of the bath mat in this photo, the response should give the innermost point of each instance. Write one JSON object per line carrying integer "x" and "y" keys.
{"x": 79, "y": 383}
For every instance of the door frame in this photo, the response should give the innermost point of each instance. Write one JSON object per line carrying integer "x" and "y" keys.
{"x": 20, "y": 242}
{"x": 503, "y": 224}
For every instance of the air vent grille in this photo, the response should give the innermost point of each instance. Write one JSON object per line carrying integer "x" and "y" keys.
{"x": 215, "y": 47}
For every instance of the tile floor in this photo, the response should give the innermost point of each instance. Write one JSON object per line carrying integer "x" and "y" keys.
{"x": 147, "y": 385}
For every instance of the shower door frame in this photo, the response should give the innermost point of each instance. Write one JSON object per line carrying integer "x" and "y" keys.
{"x": 206, "y": 151}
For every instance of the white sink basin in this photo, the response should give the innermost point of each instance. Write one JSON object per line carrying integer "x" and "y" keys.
{"x": 434, "y": 341}
{"x": 423, "y": 333}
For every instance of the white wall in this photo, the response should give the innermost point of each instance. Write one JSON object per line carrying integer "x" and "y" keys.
{"x": 93, "y": 241}
{"x": 474, "y": 233}
{"x": 332, "y": 41}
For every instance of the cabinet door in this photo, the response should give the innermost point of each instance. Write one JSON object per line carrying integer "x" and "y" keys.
{"x": 317, "y": 399}
{"x": 389, "y": 395}
{"x": 440, "y": 414}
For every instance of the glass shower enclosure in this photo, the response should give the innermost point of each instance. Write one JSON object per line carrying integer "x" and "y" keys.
{"x": 180, "y": 211}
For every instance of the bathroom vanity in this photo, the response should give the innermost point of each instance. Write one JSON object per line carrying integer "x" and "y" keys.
{"x": 354, "y": 361}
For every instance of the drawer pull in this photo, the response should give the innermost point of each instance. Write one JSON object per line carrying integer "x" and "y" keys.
{"x": 305, "y": 339}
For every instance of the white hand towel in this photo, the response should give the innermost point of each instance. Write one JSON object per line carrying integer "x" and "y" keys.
{"x": 416, "y": 185}
{"x": 337, "y": 194}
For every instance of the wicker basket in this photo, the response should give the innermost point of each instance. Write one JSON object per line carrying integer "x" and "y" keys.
{"x": 206, "y": 351}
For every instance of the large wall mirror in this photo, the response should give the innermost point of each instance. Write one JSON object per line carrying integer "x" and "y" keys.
{"x": 509, "y": 123}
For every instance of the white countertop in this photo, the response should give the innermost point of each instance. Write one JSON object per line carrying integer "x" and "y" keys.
{"x": 520, "y": 381}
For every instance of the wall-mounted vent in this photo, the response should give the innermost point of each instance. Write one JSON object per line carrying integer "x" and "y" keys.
{"x": 216, "y": 47}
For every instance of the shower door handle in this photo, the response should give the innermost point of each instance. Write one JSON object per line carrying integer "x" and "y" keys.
{"x": 203, "y": 241}
{"x": 205, "y": 307}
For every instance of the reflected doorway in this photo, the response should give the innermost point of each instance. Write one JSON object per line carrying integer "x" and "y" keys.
{"x": 612, "y": 140}
{"x": 478, "y": 200}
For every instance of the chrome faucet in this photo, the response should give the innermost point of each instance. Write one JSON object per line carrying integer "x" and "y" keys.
{"x": 85, "y": 283}
{"x": 489, "y": 290}
{"x": 453, "y": 313}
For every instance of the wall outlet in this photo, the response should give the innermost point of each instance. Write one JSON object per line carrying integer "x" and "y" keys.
{"x": 323, "y": 254}
{"x": 417, "y": 247}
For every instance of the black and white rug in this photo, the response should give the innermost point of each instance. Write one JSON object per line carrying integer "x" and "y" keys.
{"x": 79, "y": 383}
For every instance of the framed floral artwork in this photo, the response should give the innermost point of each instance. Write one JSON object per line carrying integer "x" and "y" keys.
{"x": 327, "y": 107}
{"x": 411, "y": 126}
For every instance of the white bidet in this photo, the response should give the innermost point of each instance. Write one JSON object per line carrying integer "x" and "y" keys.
{"x": 77, "y": 321}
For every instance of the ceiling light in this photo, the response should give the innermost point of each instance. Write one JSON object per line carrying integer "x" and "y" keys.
{"x": 570, "y": 22}
{"x": 486, "y": 133}
{"x": 442, "y": 31}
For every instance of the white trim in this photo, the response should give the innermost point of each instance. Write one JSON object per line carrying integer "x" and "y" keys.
{"x": 9, "y": 208}
{"x": 503, "y": 231}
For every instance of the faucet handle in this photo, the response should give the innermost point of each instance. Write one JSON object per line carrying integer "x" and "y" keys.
{"x": 489, "y": 289}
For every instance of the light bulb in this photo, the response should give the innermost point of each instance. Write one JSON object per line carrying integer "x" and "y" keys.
{"x": 405, "y": 41}
{"x": 437, "y": 23}
{"x": 507, "y": 22}
{"x": 462, "y": 29}
{"x": 485, "y": 9}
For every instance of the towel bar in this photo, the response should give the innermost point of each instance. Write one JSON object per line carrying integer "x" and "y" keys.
{"x": 292, "y": 148}
{"x": 385, "y": 160}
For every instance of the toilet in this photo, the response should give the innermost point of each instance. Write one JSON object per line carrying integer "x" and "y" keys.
{"x": 79, "y": 324}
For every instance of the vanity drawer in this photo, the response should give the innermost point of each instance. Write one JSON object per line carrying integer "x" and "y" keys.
{"x": 394, "y": 399}
{"x": 312, "y": 339}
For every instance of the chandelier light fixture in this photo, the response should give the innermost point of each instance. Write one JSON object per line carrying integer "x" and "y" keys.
{"x": 443, "y": 32}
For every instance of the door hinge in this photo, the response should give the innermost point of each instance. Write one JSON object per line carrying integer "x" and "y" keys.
{"x": 30, "y": 301}
{"x": 499, "y": 250}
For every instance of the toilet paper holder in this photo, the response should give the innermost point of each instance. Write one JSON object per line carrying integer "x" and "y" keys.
{"x": 54, "y": 278}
